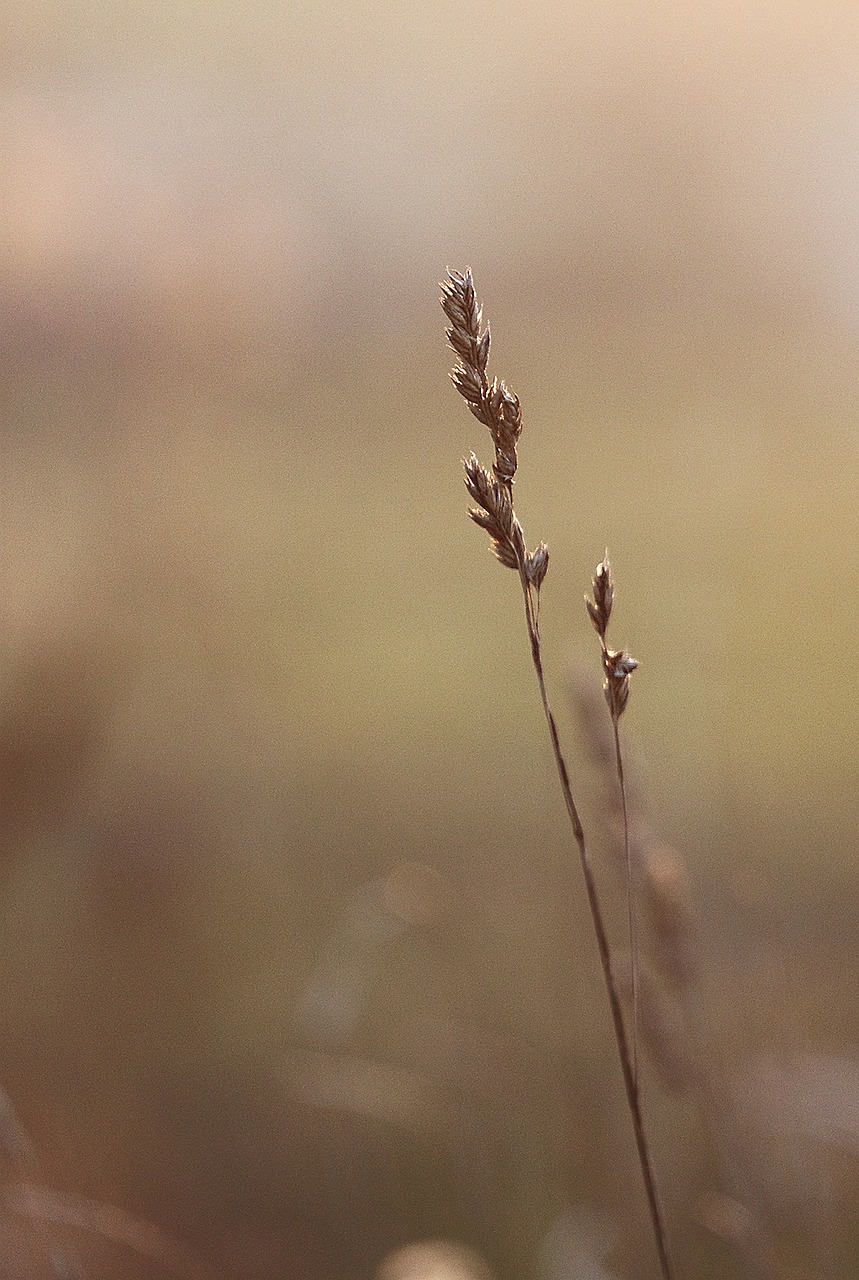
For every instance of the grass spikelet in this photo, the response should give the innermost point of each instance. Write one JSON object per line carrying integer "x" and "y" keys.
{"x": 499, "y": 410}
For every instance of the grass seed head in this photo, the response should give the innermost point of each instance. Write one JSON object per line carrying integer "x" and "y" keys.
{"x": 599, "y": 609}
{"x": 496, "y": 406}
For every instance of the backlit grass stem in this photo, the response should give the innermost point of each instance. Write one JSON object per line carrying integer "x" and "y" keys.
{"x": 498, "y": 409}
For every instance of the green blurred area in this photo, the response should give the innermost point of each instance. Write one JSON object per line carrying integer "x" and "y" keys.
{"x": 258, "y": 664}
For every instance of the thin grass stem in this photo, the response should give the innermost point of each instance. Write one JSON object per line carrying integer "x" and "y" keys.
{"x": 630, "y": 894}
{"x": 626, "y": 1060}
{"x": 498, "y": 408}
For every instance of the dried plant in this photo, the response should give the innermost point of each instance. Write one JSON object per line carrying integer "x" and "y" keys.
{"x": 618, "y": 667}
{"x": 498, "y": 409}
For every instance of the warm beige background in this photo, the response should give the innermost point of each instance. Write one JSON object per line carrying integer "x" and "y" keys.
{"x": 255, "y": 657}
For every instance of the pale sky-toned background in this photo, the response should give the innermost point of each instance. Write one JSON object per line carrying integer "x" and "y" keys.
{"x": 255, "y": 656}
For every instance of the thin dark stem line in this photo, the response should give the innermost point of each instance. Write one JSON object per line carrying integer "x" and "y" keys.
{"x": 499, "y": 410}
{"x": 629, "y": 1079}
{"x": 630, "y": 895}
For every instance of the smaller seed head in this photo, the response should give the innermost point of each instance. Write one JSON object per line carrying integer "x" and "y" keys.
{"x": 620, "y": 663}
{"x": 599, "y": 609}
{"x": 536, "y": 565}
{"x": 618, "y": 666}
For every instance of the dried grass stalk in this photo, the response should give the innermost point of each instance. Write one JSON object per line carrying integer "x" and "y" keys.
{"x": 662, "y": 1032}
{"x": 618, "y": 666}
{"x": 499, "y": 410}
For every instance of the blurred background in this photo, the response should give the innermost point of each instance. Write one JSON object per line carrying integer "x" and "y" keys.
{"x": 295, "y": 960}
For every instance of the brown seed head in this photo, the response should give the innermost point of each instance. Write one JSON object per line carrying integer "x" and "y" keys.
{"x": 618, "y": 667}
{"x": 494, "y": 513}
{"x": 599, "y": 609}
{"x": 459, "y": 301}
{"x": 492, "y": 404}
{"x": 536, "y": 565}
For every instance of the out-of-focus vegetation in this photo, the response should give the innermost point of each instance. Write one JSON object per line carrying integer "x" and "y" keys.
{"x": 294, "y": 963}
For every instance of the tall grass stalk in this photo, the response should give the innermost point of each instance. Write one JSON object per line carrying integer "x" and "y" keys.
{"x": 498, "y": 409}
{"x": 618, "y": 667}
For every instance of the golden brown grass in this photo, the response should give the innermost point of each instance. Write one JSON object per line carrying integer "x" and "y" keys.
{"x": 499, "y": 410}
{"x": 660, "y": 980}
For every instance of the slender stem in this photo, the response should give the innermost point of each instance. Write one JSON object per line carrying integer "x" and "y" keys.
{"x": 630, "y": 895}
{"x": 632, "y": 1097}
